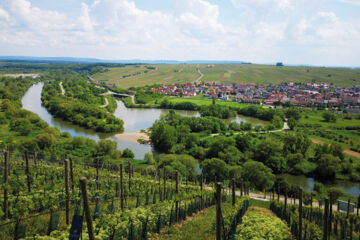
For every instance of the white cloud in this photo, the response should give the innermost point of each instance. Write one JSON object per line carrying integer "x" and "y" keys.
{"x": 265, "y": 4}
{"x": 356, "y": 2}
{"x": 267, "y": 30}
{"x": 4, "y": 14}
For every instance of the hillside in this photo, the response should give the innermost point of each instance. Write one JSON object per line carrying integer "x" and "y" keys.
{"x": 141, "y": 75}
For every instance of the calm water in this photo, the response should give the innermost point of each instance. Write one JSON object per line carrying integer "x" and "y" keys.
{"x": 307, "y": 183}
{"x": 32, "y": 102}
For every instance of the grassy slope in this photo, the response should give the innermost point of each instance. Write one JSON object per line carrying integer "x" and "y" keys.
{"x": 316, "y": 118}
{"x": 229, "y": 73}
{"x": 162, "y": 74}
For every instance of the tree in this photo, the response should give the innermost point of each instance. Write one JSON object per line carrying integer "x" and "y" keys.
{"x": 163, "y": 136}
{"x": 329, "y": 116}
{"x": 127, "y": 153}
{"x": 327, "y": 166}
{"x": 293, "y": 113}
{"x": 243, "y": 142}
{"x": 231, "y": 155}
{"x": 269, "y": 152}
{"x": 292, "y": 123}
{"x": 105, "y": 147}
{"x": 22, "y": 126}
{"x": 149, "y": 158}
{"x": 219, "y": 145}
{"x": 45, "y": 140}
{"x": 296, "y": 143}
{"x": 277, "y": 121}
{"x": 185, "y": 164}
{"x": 258, "y": 175}
{"x": 214, "y": 167}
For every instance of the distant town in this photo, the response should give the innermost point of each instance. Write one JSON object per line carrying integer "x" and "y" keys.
{"x": 297, "y": 94}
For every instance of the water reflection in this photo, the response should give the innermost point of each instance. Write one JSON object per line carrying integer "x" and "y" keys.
{"x": 307, "y": 183}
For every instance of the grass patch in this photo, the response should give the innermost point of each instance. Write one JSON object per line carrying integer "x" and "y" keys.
{"x": 199, "y": 227}
{"x": 259, "y": 203}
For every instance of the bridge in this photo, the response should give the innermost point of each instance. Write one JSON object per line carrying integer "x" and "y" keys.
{"x": 116, "y": 94}
{"x": 121, "y": 95}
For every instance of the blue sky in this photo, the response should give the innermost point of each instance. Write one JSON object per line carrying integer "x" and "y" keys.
{"x": 318, "y": 32}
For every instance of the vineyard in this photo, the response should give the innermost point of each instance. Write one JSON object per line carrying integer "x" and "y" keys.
{"x": 45, "y": 200}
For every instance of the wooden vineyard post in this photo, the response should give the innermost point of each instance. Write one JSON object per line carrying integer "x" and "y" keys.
{"x": 201, "y": 189}
{"x": 348, "y": 209}
{"x": 121, "y": 187}
{"x": 330, "y": 215}
{"x": 87, "y": 209}
{"x": 164, "y": 183}
{"x": 97, "y": 174}
{"x": 233, "y": 191}
{"x": 177, "y": 196}
{"x": 326, "y": 215}
{"x": 358, "y": 205}
{"x": 159, "y": 178}
{"x": 129, "y": 173}
{"x": 71, "y": 174}
{"x": 285, "y": 199}
{"x": 218, "y": 212}
{"x": 27, "y": 170}
{"x": 6, "y": 180}
{"x": 67, "y": 192}
{"x": 278, "y": 193}
{"x": 300, "y": 212}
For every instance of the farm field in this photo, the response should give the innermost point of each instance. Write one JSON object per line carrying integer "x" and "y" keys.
{"x": 134, "y": 76}
{"x": 142, "y": 75}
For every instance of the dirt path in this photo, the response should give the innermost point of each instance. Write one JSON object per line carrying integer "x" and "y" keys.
{"x": 62, "y": 88}
{"x": 200, "y": 77}
{"x": 194, "y": 227}
{"x": 106, "y": 103}
{"x": 285, "y": 127}
{"x": 346, "y": 151}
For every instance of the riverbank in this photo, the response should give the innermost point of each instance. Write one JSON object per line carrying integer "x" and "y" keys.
{"x": 134, "y": 137}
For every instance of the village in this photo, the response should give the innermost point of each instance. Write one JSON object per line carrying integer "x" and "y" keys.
{"x": 296, "y": 94}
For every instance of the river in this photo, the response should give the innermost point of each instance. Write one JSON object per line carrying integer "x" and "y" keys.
{"x": 136, "y": 119}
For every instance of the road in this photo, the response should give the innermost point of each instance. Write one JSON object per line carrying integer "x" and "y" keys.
{"x": 260, "y": 197}
{"x": 200, "y": 77}
{"x": 62, "y": 89}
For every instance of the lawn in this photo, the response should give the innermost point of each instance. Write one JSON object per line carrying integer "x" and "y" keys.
{"x": 141, "y": 75}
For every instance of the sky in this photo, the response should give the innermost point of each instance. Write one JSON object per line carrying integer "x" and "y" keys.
{"x": 316, "y": 32}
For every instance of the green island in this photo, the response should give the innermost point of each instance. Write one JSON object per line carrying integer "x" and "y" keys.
{"x": 221, "y": 151}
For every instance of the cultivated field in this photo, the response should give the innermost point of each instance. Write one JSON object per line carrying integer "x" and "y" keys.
{"x": 135, "y": 76}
